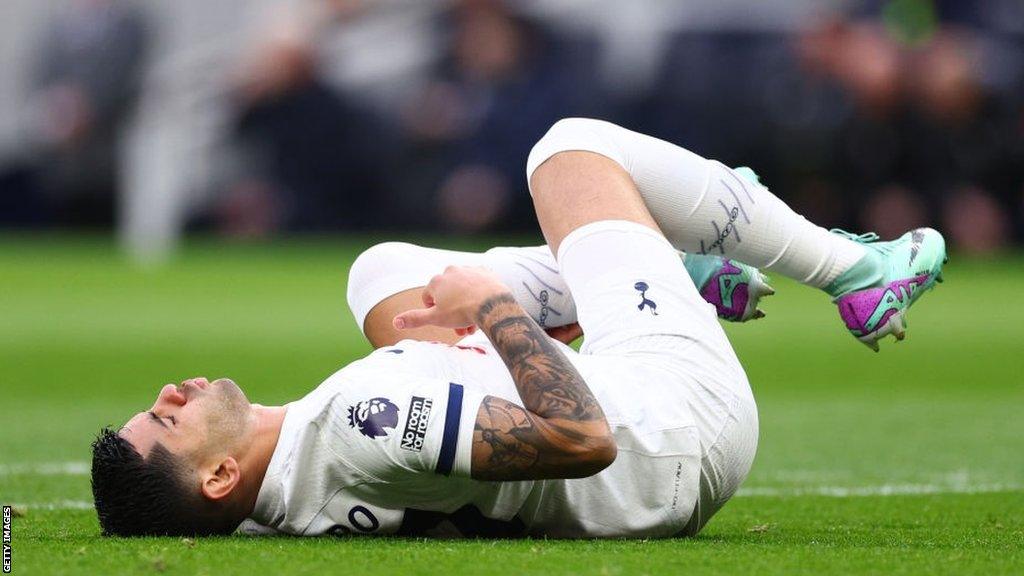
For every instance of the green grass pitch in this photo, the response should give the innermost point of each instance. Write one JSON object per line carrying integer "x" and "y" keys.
{"x": 910, "y": 461}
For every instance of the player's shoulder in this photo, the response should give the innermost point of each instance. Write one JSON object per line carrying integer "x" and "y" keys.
{"x": 383, "y": 368}
{"x": 423, "y": 358}
{"x": 250, "y": 527}
{"x": 371, "y": 391}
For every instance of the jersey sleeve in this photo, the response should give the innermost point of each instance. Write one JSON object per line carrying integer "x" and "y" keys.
{"x": 412, "y": 424}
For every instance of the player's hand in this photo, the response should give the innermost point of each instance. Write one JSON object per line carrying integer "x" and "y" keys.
{"x": 566, "y": 334}
{"x": 452, "y": 299}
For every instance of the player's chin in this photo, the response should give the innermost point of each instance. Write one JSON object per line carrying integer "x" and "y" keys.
{"x": 228, "y": 388}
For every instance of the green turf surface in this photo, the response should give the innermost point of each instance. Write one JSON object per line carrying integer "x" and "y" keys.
{"x": 908, "y": 461}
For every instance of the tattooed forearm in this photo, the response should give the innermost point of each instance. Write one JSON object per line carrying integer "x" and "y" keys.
{"x": 561, "y": 432}
{"x": 500, "y": 438}
{"x": 548, "y": 383}
{"x": 512, "y": 443}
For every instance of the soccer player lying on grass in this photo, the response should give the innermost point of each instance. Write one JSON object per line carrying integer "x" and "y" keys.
{"x": 470, "y": 420}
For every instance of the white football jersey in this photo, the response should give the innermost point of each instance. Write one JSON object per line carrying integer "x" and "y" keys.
{"x": 383, "y": 447}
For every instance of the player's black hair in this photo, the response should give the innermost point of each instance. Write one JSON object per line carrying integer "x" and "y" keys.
{"x": 138, "y": 496}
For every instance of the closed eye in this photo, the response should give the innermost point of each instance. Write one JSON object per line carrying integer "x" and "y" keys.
{"x": 156, "y": 418}
{"x": 160, "y": 420}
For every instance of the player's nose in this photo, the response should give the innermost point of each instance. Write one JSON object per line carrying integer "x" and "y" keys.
{"x": 170, "y": 394}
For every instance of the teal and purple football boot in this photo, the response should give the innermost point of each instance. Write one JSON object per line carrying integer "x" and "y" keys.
{"x": 874, "y": 295}
{"x": 734, "y": 288}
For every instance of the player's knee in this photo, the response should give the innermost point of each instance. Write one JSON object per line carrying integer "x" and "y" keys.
{"x": 564, "y": 135}
{"x": 372, "y": 266}
{"x": 578, "y": 127}
{"x": 571, "y": 135}
{"x": 573, "y": 126}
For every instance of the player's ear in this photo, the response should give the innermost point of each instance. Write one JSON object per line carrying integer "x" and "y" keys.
{"x": 220, "y": 482}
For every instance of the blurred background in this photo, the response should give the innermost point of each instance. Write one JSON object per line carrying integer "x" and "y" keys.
{"x": 265, "y": 143}
{"x": 260, "y": 118}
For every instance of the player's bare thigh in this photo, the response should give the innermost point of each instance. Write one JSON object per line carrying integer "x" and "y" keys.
{"x": 574, "y": 188}
{"x": 570, "y": 189}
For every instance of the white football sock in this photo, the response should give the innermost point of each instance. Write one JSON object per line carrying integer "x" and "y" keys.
{"x": 704, "y": 207}
{"x": 530, "y": 273}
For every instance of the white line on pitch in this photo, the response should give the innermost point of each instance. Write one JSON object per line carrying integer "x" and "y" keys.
{"x": 768, "y": 492}
{"x": 56, "y": 505}
{"x": 71, "y": 468}
{"x": 955, "y": 484}
{"x": 883, "y": 490}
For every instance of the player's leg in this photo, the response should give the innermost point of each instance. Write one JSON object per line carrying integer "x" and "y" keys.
{"x": 706, "y": 208}
{"x": 653, "y": 346}
{"x": 387, "y": 280}
{"x": 700, "y": 215}
{"x": 617, "y": 263}
{"x": 625, "y": 277}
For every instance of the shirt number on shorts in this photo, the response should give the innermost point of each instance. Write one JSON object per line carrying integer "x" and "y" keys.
{"x": 359, "y": 517}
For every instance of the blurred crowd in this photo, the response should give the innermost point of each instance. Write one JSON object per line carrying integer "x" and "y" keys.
{"x": 337, "y": 115}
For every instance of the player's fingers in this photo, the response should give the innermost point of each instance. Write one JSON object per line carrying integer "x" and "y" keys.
{"x": 566, "y": 334}
{"x": 415, "y": 318}
{"x": 428, "y": 297}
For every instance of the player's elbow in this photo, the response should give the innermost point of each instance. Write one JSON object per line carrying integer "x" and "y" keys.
{"x": 594, "y": 455}
{"x": 604, "y": 453}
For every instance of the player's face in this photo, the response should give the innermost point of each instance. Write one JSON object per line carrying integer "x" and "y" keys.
{"x": 196, "y": 418}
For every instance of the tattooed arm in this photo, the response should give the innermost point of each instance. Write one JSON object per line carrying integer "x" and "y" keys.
{"x": 560, "y": 430}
